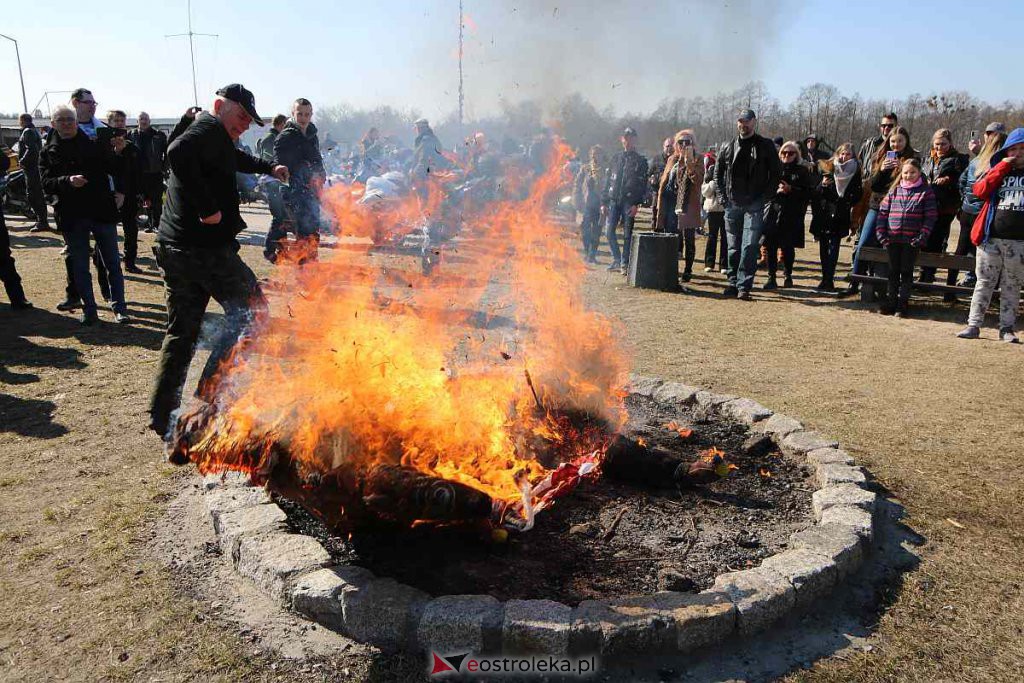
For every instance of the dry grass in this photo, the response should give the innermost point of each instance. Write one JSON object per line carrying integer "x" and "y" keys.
{"x": 936, "y": 419}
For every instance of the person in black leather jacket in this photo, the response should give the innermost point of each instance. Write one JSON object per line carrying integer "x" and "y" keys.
{"x": 624, "y": 189}
{"x": 746, "y": 177}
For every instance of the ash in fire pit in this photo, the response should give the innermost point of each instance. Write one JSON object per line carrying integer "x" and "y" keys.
{"x": 609, "y": 537}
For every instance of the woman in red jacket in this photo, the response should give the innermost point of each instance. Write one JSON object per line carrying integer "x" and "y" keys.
{"x": 998, "y": 232}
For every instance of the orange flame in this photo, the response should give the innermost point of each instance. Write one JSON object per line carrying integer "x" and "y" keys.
{"x": 375, "y": 362}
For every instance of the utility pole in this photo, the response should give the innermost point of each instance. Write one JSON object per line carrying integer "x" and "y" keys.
{"x": 24, "y": 100}
{"x": 192, "y": 50}
{"x": 461, "y": 92}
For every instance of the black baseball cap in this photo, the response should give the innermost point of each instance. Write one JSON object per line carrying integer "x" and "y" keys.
{"x": 628, "y": 133}
{"x": 746, "y": 115}
{"x": 237, "y": 93}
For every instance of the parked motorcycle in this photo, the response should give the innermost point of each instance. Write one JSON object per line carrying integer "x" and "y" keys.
{"x": 14, "y": 195}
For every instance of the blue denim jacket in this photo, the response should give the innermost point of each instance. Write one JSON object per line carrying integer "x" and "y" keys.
{"x": 971, "y": 204}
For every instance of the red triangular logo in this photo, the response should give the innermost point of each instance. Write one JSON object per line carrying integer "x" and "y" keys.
{"x": 440, "y": 665}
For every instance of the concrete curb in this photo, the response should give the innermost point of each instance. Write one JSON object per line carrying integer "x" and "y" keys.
{"x": 293, "y": 569}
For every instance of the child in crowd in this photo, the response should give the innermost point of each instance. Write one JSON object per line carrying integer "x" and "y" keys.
{"x": 906, "y": 217}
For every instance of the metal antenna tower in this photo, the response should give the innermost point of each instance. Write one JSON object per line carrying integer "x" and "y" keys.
{"x": 192, "y": 50}
{"x": 461, "y": 92}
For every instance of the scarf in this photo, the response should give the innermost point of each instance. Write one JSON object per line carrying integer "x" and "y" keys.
{"x": 843, "y": 173}
{"x": 909, "y": 186}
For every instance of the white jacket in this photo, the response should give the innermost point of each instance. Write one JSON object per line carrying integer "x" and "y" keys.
{"x": 708, "y": 191}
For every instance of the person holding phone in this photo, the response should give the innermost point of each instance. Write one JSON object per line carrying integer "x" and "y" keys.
{"x": 127, "y": 188}
{"x": 884, "y": 168}
{"x": 689, "y": 176}
{"x": 998, "y": 232}
{"x": 995, "y": 136}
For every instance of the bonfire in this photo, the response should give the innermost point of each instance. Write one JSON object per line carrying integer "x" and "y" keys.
{"x": 481, "y": 392}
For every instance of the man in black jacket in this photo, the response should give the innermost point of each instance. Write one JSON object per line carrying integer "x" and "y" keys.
{"x": 127, "y": 187}
{"x": 196, "y": 247}
{"x": 298, "y": 148}
{"x": 152, "y": 145}
{"x": 746, "y": 177}
{"x": 30, "y": 144}
{"x": 624, "y": 190}
{"x": 77, "y": 170}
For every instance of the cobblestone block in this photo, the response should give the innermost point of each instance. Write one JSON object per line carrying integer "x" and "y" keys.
{"x": 812, "y": 575}
{"x": 803, "y": 442}
{"x": 536, "y": 626}
{"x": 842, "y": 494}
{"x": 837, "y": 542}
{"x": 274, "y": 560}
{"x": 761, "y": 597}
{"x": 461, "y": 623}
{"x": 229, "y": 526}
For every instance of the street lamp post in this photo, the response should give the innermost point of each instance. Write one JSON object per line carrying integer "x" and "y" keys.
{"x": 17, "y": 54}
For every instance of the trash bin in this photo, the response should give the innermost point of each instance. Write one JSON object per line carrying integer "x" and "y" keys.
{"x": 654, "y": 261}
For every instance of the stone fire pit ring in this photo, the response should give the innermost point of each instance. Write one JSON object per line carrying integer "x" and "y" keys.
{"x": 296, "y": 571}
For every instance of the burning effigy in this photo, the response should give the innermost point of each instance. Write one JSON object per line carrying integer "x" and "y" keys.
{"x": 478, "y": 395}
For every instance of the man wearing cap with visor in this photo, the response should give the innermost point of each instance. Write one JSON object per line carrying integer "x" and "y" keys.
{"x": 747, "y": 176}
{"x": 196, "y": 247}
{"x": 624, "y": 189}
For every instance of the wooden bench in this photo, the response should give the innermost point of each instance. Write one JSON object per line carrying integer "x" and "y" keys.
{"x": 869, "y": 284}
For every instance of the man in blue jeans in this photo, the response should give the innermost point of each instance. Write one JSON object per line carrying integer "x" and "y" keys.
{"x": 624, "y": 189}
{"x": 746, "y": 176}
{"x": 75, "y": 169}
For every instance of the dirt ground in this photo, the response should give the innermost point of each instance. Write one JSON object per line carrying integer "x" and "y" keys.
{"x": 92, "y": 590}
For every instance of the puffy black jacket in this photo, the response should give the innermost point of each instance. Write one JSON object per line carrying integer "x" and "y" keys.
{"x": 61, "y": 159}
{"x": 947, "y": 196}
{"x": 833, "y": 215}
{"x": 626, "y": 182}
{"x": 300, "y": 152}
{"x": 792, "y": 207}
{"x": 759, "y": 184}
{"x": 203, "y": 161}
{"x": 127, "y": 182}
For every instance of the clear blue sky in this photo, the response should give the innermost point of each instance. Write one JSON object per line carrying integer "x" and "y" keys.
{"x": 629, "y": 55}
